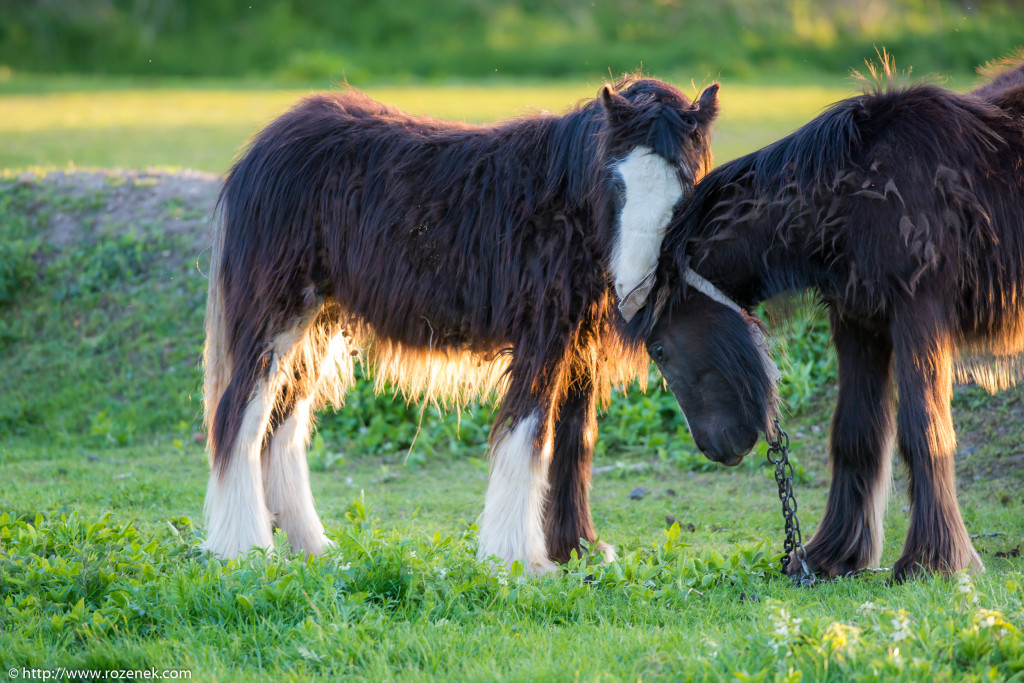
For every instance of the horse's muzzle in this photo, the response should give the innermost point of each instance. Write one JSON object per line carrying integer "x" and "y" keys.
{"x": 732, "y": 444}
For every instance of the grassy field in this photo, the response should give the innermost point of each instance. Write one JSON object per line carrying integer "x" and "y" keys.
{"x": 116, "y": 123}
{"x": 204, "y": 128}
{"x": 103, "y": 481}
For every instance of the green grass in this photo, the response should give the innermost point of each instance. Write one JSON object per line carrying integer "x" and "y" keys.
{"x": 204, "y": 128}
{"x": 103, "y": 571}
{"x": 101, "y": 505}
{"x": 125, "y": 123}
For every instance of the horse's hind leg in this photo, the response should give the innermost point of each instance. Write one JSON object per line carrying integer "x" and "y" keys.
{"x": 286, "y": 482}
{"x": 937, "y": 540}
{"x": 320, "y": 369}
{"x": 850, "y": 534}
{"x": 567, "y": 515}
{"x": 236, "y": 511}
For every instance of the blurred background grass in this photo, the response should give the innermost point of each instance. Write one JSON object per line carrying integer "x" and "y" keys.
{"x": 399, "y": 40}
{"x": 204, "y": 128}
{"x": 184, "y": 83}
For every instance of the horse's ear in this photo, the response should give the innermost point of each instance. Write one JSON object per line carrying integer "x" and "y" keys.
{"x": 706, "y": 107}
{"x": 615, "y": 105}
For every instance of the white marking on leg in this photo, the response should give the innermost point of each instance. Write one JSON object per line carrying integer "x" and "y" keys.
{"x": 237, "y": 519}
{"x": 653, "y": 189}
{"x": 286, "y": 481}
{"x": 512, "y": 524}
{"x": 876, "y": 504}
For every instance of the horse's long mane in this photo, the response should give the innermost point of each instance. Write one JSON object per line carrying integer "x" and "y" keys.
{"x": 1005, "y": 80}
{"x": 818, "y": 164}
{"x": 936, "y": 168}
{"x": 807, "y": 158}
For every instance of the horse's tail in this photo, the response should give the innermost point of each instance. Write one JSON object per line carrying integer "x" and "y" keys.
{"x": 262, "y": 298}
{"x": 216, "y": 355}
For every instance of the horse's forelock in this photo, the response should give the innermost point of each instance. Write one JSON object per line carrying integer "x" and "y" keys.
{"x": 748, "y": 368}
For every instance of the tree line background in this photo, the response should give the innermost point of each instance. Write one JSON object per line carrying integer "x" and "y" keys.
{"x": 441, "y": 39}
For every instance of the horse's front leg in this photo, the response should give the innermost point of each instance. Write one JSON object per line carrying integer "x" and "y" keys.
{"x": 567, "y": 515}
{"x": 860, "y": 449}
{"x": 937, "y": 540}
{"x": 512, "y": 523}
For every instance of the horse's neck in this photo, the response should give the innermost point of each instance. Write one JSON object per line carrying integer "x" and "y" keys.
{"x": 750, "y": 264}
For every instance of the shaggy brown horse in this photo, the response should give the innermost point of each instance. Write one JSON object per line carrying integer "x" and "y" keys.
{"x": 456, "y": 261}
{"x": 902, "y": 211}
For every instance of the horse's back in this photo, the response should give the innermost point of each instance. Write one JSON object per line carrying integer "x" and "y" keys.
{"x": 1005, "y": 80}
{"x": 949, "y": 171}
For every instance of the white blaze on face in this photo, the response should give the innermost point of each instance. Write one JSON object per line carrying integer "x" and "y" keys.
{"x": 652, "y": 190}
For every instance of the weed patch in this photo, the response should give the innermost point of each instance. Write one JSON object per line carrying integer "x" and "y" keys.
{"x": 72, "y": 587}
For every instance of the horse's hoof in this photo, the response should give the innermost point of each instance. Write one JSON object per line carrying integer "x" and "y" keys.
{"x": 820, "y": 571}
{"x": 318, "y": 548}
{"x": 910, "y": 568}
{"x": 225, "y": 549}
{"x": 907, "y": 570}
{"x": 607, "y": 551}
{"x": 539, "y": 567}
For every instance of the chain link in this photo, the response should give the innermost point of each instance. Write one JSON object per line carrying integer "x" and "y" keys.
{"x": 778, "y": 455}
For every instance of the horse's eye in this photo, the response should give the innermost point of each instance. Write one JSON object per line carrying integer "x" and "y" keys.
{"x": 657, "y": 353}
{"x": 620, "y": 187}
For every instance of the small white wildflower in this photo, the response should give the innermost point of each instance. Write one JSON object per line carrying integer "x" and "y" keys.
{"x": 900, "y": 624}
{"x": 442, "y": 572}
{"x": 502, "y": 581}
{"x": 346, "y": 566}
{"x": 965, "y": 587}
{"x": 867, "y": 607}
{"x": 964, "y": 583}
{"x": 787, "y": 628}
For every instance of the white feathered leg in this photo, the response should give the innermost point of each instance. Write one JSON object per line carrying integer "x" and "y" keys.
{"x": 286, "y": 481}
{"x": 237, "y": 519}
{"x": 512, "y": 524}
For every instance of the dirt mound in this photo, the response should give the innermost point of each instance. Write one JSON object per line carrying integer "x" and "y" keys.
{"x": 114, "y": 201}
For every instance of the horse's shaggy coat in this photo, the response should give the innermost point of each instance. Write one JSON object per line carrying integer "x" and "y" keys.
{"x": 902, "y": 210}
{"x": 456, "y": 261}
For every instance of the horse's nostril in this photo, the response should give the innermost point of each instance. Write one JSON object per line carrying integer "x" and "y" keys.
{"x": 742, "y": 439}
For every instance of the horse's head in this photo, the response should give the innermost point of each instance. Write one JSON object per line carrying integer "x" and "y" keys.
{"x": 715, "y": 359}
{"x": 657, "y": 145}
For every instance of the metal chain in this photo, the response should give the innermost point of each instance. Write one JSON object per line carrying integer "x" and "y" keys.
{"x": 778, "y": 455}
